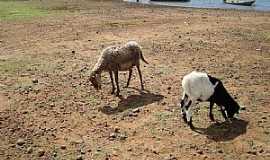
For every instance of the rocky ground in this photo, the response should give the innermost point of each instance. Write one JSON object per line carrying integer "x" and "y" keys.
{"x": 48, "y": 109}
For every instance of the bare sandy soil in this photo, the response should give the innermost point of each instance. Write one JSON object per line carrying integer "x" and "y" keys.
{"x": 48, "y": 110}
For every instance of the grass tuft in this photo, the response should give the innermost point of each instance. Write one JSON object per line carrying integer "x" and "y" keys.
{"x": 11, "y": 10}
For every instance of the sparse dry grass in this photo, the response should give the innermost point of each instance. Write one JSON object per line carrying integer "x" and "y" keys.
{"x": 63, "y": 109}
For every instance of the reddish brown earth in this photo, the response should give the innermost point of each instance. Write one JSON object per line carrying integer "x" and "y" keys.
{"x": 63, "y": 117}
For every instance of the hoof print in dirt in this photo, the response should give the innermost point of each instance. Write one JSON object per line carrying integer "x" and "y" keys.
{"x": 40, "y": 153}
{"x": 20, "y": 142}
{"x": 79, "y": 157}
{"x": 63, "y": 147}
{"x": 170, "y": 157}
{"x": 118, "y": 136}
{"x": 35, "y": 81}
{"x": 29, "y": 150}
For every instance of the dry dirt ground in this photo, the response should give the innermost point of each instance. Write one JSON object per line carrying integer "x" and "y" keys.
{"x": 48, "y": 110}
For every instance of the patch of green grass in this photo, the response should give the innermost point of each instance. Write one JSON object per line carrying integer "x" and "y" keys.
{"x": 10, "y": 10}
{"x": 24, "y": 83}
{"x": 163, "y": 70}
{"x": 250, "y": 35}
{"x": 91, "y": 99}
{"x": 266, "y": 35}
{"x": 163, "y": 116}
{"x": 119, "y": 24}
{"x": 29, "y": 64}
{"x": 14, "y": 65}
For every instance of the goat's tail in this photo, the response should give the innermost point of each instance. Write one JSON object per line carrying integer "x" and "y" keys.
{"x": 143, "y": 58}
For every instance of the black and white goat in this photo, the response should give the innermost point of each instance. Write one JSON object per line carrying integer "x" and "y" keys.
{"x": 201, "y": 87}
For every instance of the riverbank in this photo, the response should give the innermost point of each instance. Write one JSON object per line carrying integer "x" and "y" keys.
{"x": 259, "y": 5}
{"x": 49, "y": 110}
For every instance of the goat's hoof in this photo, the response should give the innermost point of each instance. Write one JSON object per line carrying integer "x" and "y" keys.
{"x": 229, "y": 120}
{"x": 184, "y": 118}
{"x": 191, "y": 126}
{"x": 212, "y": 118}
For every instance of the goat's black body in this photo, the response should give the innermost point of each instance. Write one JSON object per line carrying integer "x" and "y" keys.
{"x": 223, "y": 99}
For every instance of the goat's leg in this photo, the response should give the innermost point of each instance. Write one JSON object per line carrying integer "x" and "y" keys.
{"x": 183, "y": 106}
{"x": 117, "y": 84}
{"x": 222, "y": 109}
{"x": 190, "y": 124}
{"x": 183, "y": 110}
{"x": 183, "y": 101}
{"x": 111, "y": 76}
{"x": 140, "y": 74}
{"x": 189, "y": 114}
{"x": 129, "y": 77}
{"x": 211, "y": 116}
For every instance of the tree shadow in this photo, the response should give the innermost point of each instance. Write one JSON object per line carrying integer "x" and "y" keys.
{"x": 132, "y": 102}
{"x": 224, "y": 131}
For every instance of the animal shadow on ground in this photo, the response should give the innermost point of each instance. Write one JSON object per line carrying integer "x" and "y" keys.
{"x": 132, "y": 102}
{"x": 224, "y": 131}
